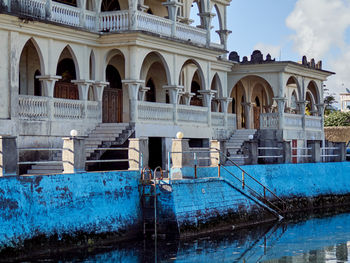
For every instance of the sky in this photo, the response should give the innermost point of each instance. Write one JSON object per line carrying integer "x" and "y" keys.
{"x": 289, "y": 29}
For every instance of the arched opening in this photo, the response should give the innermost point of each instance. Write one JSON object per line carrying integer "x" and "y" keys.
{"x": 67, "y": 2}
{"x": 215, "y": 26}
{"x": 155, "y": 72}
{"x": 292, "y": 93}
{"x": 92, "y": 66}
{"x": 113, "y": 97}
{"x": 151, "y": 94}
{"x": 236, "y": 106}
{"x": 191, "y": 77}
{"x": 261, "y": 101}
{"x": 110, "y": 5}
{"x": 312, "y": 98}
{"x": 29, "y": 69}
{"x": 216, "y": 87}
{"x": 64, "y": 88}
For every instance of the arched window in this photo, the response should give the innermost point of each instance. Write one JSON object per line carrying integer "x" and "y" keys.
{"x": 196, "y": 100}
{"x": 257, "y": 101}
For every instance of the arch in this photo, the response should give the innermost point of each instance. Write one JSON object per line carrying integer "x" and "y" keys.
{"x": 246, "y": 76}
{"x": 67, "y": 51}
{"x": 151, "y": 58}
{"x": 313, "y": 88}
{"x": 29, "y": 64}
{"x": 200, "y": 72}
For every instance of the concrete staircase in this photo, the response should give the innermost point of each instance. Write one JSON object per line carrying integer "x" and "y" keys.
{"x": 235, "y": 143}
{"x": 104, "y": 135}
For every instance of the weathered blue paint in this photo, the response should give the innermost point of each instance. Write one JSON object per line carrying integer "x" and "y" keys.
{"x": 66, "y": 204}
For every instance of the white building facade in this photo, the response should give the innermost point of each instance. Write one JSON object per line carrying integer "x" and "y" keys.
{"x": 75, "y": 64}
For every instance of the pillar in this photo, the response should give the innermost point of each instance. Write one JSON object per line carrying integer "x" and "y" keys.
{"x": 224, "y": 102}
{"x": 281, "y": 103}
{"x": 315, "y": 151}
{"x": 286, "y": 151}
{"x": 301, "y": 105}
{"x": 49, "y": 82}
{"x": 142, "y": 93}
{"x": 188, "y": 96}
{"x": 133, "y": 90}
{"x": 83, "y": 88}
{"x": 247, "y": 108}
{"x": 174, "y": 92}
{"x": 133, "y": 23}
{"x": 180, "y": 157}
{"x": 98, "y": 87}
{"x": 215, "y": 150}
{"x": 208, "y": 95}
{"x": 73, "y": 155}
{"x": 8, "y": 156}
{"x": 223, "y": 34}
{"x": 341, "y": 151}
{"x": 138, "y": 147}
{"x": 48, "y": 9}
{"x": 172, "y": 6}
{"x": 206, "y": 18}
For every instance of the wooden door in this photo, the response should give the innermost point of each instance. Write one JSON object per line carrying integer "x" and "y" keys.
{"x": 66, "y": 90}
{"x": 256, "y": 117}
{"x": 112, "y": 105}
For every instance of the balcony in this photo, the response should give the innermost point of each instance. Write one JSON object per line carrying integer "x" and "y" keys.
{"x": 115, "y": 21}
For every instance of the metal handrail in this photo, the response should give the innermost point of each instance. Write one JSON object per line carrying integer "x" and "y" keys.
{"x": 108, "y": 161}
{"x": 256, "y": 193}
{"x": 243, "y": 183}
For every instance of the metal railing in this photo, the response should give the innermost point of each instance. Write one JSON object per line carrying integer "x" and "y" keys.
{"x": 269, "y": 156}
{"x": 40, "y": 149}
{"x": 109, "y": 160}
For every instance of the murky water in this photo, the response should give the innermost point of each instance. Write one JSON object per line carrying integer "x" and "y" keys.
{"x": 324, "y": 239}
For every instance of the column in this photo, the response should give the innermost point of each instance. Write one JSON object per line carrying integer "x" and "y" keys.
{"x": 138, "y": 153}
{"x": 206, "y": 18}
{"x": 8, "y": 156}
{"x": 174, "y": 92}
{"x": 173, "y": 6}
{"x": 133, "y": 90}
{"x": 223, "y": 34}
{"x": 315, "y": 151}
{"x": 247, "y": 109}
{"x": 73, "y": 155}
{"x": 286, "y": 151}
{"x": 133, "y": 14}
{"x": 83, "y": 88}
{"x": 49, "y": 82}
{"x": 301, "y": 105}
{"x": 180, "y": 157}
{"x": 98, "y": 88}
{"x": 48, "y": 9}
{"x": 208, "y": 95}
{"x": 141, "y": 6}
{"x": 224, "y": 102}
{"x": 281, "y": 103}
{"x": 252, "y": 148}
{"x": 188, "y": 96}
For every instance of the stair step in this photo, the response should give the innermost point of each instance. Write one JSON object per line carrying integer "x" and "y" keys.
{"x": 122, "y": 125}
{"x": 44, "y": 171}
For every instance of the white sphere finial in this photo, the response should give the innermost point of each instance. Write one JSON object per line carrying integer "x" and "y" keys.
{"x": 251, "y": 137}
{"x": 179, "y": 135}
{"x": 74, "y": 133}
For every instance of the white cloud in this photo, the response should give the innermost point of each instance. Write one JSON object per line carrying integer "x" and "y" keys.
{"x": 265, "y": 49}
{"x": 319, "y": 25}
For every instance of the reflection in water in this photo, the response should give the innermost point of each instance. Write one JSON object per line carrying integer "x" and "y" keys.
{"x": 316, "y": 240}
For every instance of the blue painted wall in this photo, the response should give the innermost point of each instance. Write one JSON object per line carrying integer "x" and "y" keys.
{"x": 67, "y": 203}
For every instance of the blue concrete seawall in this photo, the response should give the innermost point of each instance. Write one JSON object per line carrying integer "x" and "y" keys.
{"x": 91, "y": 203}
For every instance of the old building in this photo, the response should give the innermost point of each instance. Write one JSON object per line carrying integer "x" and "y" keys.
{"x": 138, "y": 67}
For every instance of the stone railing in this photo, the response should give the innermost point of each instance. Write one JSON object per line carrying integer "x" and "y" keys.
{"x": 33, "y": 108}
{"x": 115, "y": 21}
{"x": 68, "y": 109}
{"x": 150, "y": 112}
{"x": 44, "y": 108}
{"x": 269, "y": 121}
{"x": 217, "y": 119}
{"x": 65, "y": 14}
{"x": 154, "y": 24}
{"x": 313, "y": 122}
{"x": 193, "y": 114}
{"x": 293, "y": 121}
{"x": 190, "y": 33}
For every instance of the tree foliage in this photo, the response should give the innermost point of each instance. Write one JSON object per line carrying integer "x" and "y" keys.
{"x": 337, "y": 118}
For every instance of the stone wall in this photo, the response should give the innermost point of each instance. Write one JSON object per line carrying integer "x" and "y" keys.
{"x": 337, "y": 134}
{"x": 61, "y": 205}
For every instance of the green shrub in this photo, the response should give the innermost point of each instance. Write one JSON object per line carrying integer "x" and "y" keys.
{"x": 337, "y": 118}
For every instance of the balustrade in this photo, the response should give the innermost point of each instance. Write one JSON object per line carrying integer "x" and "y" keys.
{"x": 93, "y": 110}
{"x": 190, "y": 33}
{"x": 65, "y": 14}
{"x": 154, "y": 24}
{"x": 68, "y": 109}
{"x": 114, "y": 21}
{"x": 232, "y": 120}
{"x": 313, "y": 122}
{"x": 194, "y": 114}
{"x": 269, "y": 121}
{"x": 293, "y": 121}
{"x": 35, "y": 8}
{"x": 160, "y": 112}
{"x": 32, "y": 107}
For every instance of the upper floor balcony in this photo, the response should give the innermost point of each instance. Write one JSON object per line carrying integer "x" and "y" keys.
{"x": 168, "y": 23}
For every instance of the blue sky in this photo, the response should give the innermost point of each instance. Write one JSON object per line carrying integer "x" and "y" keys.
{"x": 319, "y": 29}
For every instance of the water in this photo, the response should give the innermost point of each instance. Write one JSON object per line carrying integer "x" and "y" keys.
{"x": 324, "y": 239}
